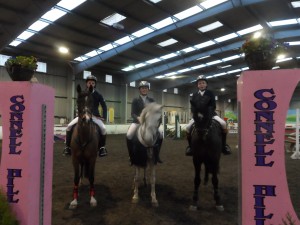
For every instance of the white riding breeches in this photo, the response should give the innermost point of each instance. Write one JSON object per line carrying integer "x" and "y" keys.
{"x": 132, "y": 128}
{"x": 95, "y": 120}
{"x": 217, "y": 118}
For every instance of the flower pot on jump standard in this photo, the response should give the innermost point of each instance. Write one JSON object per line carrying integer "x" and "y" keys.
{"x": 18, "y": 73}
{"x": 260, "y": 60}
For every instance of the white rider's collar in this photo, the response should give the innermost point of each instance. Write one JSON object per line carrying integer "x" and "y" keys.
{"x": 201, "y": 92}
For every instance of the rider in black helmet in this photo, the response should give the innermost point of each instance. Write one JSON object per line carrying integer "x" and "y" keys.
{"x": 97, "y": 118}
{"x": 202, "y": 90}
{"x": 138, "y": 104}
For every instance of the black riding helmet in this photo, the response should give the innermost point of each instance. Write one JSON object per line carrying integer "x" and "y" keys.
{"x": 202, "y": 77}
{"x": 91, "y": 77}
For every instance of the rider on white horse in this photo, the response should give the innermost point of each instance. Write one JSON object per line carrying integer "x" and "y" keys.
{"x": 211, "y": 105}
{"x": 98, "y": 99}
{"x": 138, "y": 104}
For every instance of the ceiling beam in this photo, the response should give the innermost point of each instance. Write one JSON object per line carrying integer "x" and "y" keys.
{"x": 182, "y": 23}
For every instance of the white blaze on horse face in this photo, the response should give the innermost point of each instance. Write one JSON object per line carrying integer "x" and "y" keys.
{"x": 200, "y": 115}
{"x": 86, "y": 114}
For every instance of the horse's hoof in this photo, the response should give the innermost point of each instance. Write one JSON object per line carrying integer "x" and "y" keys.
{"x": 155, "y": 204}
{"x": 220, "y": 208}
{"x": 134, "y": 200}
{"x": 93, "y": 202}
{"x": 73, "y": 206}
{"x": 193, "y": 208}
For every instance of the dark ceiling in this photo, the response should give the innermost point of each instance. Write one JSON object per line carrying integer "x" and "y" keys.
{"x": 81, "y": 31}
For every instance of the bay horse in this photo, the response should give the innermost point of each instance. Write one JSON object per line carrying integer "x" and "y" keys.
{"x": 84, "y": 144}
{"x": 144, "y": 149}
{"x": 206, "y": 144}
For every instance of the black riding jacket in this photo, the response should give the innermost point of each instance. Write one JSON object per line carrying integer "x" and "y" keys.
{"x": 138, "y": 106}
{"x": 99, "y": 100}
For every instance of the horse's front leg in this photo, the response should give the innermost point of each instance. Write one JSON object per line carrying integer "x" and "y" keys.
{"x": 197, "y": 181}
{"x": 215, "y": 183}
{"x": 93, "y": 201}
{"x": 152, "y": 181}
{"x": 135, "y": 198}
{"x": 74, "y": 203}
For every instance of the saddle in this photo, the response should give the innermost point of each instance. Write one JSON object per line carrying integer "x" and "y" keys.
{"x": 139, "y": 152}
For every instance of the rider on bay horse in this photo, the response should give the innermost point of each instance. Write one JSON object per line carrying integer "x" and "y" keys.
{"x": 98, "y": 99}
{"x": 211, "y": 106}
{"x": 138, "y": 104}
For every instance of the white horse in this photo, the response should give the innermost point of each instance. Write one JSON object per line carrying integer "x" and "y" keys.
{"x": 146, "y": 138}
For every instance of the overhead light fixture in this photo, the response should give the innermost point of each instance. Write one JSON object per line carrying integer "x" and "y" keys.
{"x": 113, "y": 19}
{"x": 283, "y": 22}
{"x": 167, "y": 42}
{"x": 295, "y": 4}
{"x": 63, "y": 50}
{"x": 210, "y": 27}
{"x": 222, "y": 89}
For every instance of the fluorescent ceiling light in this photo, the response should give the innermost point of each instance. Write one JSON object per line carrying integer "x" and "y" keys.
{"x": 163, "y": 23}
{"x": 295, "y": 4}
{"x": 53, "y": 14}
{"x": 294, "y": 43}
{"x": 160, "y": 77}
{"x": 15, "y": 43}
{"x": 226, "y": 37}
{"x": 167, "y": 42}
{"x": 219, "y": 74}
{"x": 198, "y": 67}
{"x": 123, "y": 40}
{"x": 184, "y": 70}
{"x": 92, "y": 53}
{"x": 231, "y": 58}
{"x": 222, "y": 89}
{"x": 210, "y": 27}
{"x": 170, "y": 74}
{"x": 155, "y": 1}
{"x": 283, "y": 60}
{"x": 283, "y": 22}
{"x": 140, "y": 65}
{"x": 129, "y": 68}
{"x": 188, "y": 12}
{"x": 114, "y": 18}
{"x": 204, "y": 57}
{"x": 69, "y": 5}
{"x": 81, "y": 58}
{"x": 151, "y": 61}
{"x": 171, "y": 55}
{"x": 250, "y": 29}
{"x": 142, "y": 32}
{"x": 25, "y": 35}
{"x": 211, "y": 3}
{"x": 223, "y": 67}
{"x": 189, "y": 49}
{"x": 38, "y": 25}
{"x": 213, "y": 62}
{"x": 234, "y": 71}
{"x": 205, "y": 44}
{"x": 106, "y": 47}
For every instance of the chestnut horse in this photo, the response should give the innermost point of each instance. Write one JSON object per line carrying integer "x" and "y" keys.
{"x": 84, "y": 145}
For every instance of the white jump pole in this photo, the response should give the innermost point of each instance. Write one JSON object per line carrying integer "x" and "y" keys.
{"x": 296, "y": 154}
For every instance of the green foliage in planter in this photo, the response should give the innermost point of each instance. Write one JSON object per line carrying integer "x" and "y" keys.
{"x": 6, "y": 215}
{"x": 28, "y": 62}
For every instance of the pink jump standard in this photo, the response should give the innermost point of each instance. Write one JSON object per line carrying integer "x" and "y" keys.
{"x": 27, "y": 111}
{"x": 263, "y": 101}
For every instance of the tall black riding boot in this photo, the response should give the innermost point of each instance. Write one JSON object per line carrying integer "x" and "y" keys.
{"x": 67, "y": 149}
{"x": 102, "y": 149}
{"x": 130, "y": 150}
{"x": 188, "y": 151}
{"x": 225, "y": 148}
{"x": 157, "y": 150}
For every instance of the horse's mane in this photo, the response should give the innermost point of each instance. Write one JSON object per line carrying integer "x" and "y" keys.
{"x": 151, "y": 107}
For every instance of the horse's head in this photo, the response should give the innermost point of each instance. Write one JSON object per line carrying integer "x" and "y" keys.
{"x": 152, "y": 115}
{"x": 84, "y": 103}
{"x": 200, "y": 109}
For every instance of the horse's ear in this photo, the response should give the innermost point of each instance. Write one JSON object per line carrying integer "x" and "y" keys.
{"x": 78, "y": 88}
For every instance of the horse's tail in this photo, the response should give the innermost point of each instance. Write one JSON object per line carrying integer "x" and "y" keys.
{"x": 84, "y": 170}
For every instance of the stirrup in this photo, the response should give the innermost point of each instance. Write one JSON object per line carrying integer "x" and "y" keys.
{"x": 102, "y": 152}
{"x": 188, "y": 151}
{"x": 67, "y": 151}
